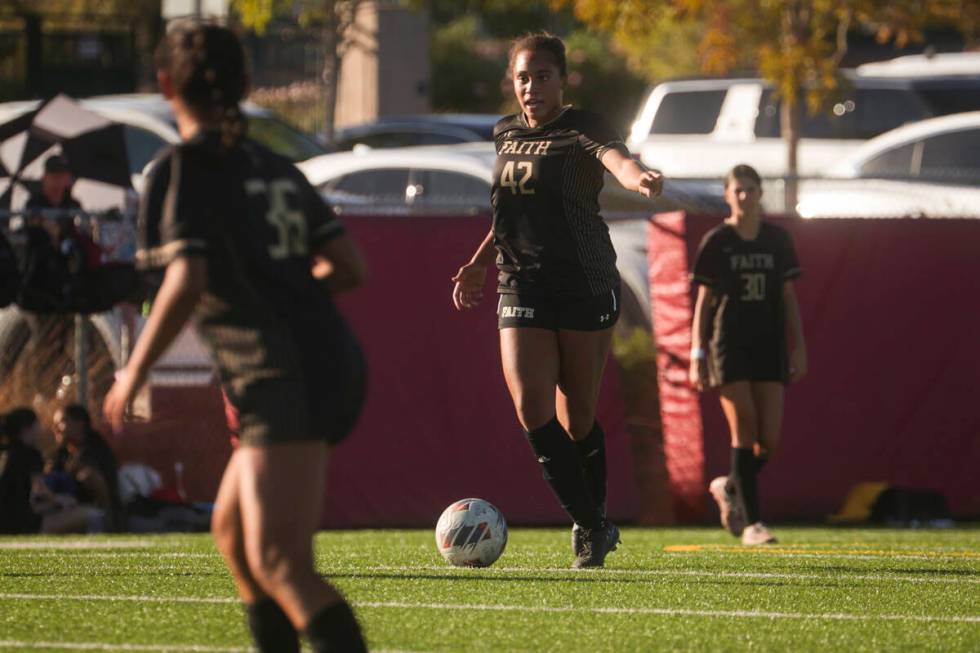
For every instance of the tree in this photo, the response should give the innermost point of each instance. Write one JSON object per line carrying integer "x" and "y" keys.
{"x": 143, "y": 15}
{"x": 796, "y": 44}
{"x": 335, "y": 18}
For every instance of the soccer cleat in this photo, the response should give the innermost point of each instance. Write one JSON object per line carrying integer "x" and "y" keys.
{"x": 595, "y": 545}
{"x": 756, "y": 534}
{"x": 578, "y": 539}
{"x": 723, "y": 491}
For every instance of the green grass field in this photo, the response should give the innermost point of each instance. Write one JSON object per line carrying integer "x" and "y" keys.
{"x": 679, "y": 589}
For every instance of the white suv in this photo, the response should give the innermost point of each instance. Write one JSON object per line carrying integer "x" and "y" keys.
{"x": 701, "y": 128}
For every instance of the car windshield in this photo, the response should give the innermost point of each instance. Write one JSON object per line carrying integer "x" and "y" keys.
{"x": 283, "y": 139}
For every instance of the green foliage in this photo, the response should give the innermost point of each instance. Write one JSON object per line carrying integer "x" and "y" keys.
{"x": 467, "y": 69}
{"x": 600, "y": 80}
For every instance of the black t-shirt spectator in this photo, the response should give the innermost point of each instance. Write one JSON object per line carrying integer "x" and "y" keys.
{"x": 19, "y": 463}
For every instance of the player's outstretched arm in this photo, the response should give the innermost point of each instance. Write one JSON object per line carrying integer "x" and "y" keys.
{"x": 470, "y": 279}
{"x": 339, "y": 265}
{"x": 632, "y": 174}
{"x": 183, "y": 284}
{"x": 794, "y": 327}
{"x": 698, "y": 374}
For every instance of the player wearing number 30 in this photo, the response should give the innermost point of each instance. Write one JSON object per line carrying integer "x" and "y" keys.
{"x": 746, "y": 305}
{"x": 558, "y": 284}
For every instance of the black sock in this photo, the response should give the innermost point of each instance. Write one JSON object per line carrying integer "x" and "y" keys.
{"x": 271, "y": 628}
{"x": 760, "y": 462}
{"x": 744, "y": 471}
{"x": 593, "y": 452}
{"x": 334, "y": 629}
{"x": 562, "y": 468}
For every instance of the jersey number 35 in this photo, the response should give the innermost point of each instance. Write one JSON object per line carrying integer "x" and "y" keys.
{"x": 289, "y": 224}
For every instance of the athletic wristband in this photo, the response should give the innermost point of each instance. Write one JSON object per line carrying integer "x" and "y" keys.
{"x": 698, "y": 353}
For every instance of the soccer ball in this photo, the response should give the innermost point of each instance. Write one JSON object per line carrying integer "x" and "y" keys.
{"x": 471, "y": 533}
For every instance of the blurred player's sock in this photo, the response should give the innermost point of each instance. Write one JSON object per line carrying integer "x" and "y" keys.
{"x": 562, "y": 468}
{"x": 271, "y": 628}
{"x": 334, "y": 629}
{"x": 592, "y": 449}
{"x": 744, "y": 470}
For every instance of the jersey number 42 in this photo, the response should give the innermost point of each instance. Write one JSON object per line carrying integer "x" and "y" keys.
{"x": 509, "y": 180}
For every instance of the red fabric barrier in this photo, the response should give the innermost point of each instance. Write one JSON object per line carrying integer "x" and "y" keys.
{"x": 679, "y": 407}
{"x": 889, "y": 315}
{"x": 438, "y": 424}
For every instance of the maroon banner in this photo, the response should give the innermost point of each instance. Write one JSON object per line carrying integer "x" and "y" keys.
{"x": 438, "y": 424}
{"x": 891, "y": 327}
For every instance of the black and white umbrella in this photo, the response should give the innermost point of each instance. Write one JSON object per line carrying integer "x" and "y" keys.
{"x": 94, "y": 145}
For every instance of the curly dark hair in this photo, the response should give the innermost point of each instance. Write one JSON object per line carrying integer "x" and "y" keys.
{"x": 539, "y": 41}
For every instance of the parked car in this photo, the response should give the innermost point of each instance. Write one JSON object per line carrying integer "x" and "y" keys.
{"x": 405, "y": 131}
{"x": 701, "y": 128}
{"x": 149, "y": 124}
{"x": 926, "y": 169}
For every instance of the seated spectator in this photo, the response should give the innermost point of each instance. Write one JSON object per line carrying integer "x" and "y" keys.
{"x": 20, "y": 467}
{"x": 84, "y": 457}
{"x": 29, "y": 505}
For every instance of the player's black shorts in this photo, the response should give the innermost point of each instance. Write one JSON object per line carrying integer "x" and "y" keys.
{"x": 324, "y": 406}
{"x": 590, "y": 313}
{"x": 764, "y": 361}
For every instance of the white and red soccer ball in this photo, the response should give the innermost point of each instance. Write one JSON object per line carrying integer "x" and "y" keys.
{"x": 471, "y": 533}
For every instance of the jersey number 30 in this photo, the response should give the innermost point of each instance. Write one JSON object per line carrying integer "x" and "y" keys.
{"x": 753, "y": 287}
{"x": 290, "y": 224}
{"x": 509, "y": 180}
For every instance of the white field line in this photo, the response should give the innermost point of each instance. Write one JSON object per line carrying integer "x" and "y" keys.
{"x": 572, "y": 573}
{"x": 955, "y": 580}
{"x": 102, "y": 646}
{"x": 672, "y": 612}
{"x": 61, "y": 545}
{"x": 667, "y": 612}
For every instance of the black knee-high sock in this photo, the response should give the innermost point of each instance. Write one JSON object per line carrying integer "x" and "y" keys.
{"x": 271, "y": 628}
{"x": 562, "y": 468}
{"x": 334, "y": 629}
{"x": 744, "y": 472}
{"x": 592, "y": 449}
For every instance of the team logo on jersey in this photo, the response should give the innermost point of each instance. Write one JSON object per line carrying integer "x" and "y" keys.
{"x": 752, "y": 261}
{"x": 534, "y": 148}
{"x": 518, "y": 312}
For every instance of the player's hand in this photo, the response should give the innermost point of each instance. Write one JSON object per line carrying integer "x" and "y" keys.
{"x": 650, "y": 184}
{"x": 797, "y": 365}
{"x": 698, "y": 373}
{"x": 469, "y": 281}
{"x": 119, "y": 398}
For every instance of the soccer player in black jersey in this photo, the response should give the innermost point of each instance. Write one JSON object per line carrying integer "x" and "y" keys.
{"x": 558, "y": 284}
{"x": 251, "y": 250}
{"x": 745, "y": 307}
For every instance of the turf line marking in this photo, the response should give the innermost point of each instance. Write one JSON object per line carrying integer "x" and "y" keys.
{"x": 82, "y": 544}
{"x": 452, "y": 572}
{"x": 667, "y": 612}
{"x": 766, "y": 550}
{"x": 671, "y": 612}
{"x": 102, "y": 646}
{"x": 109, "y": 597}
